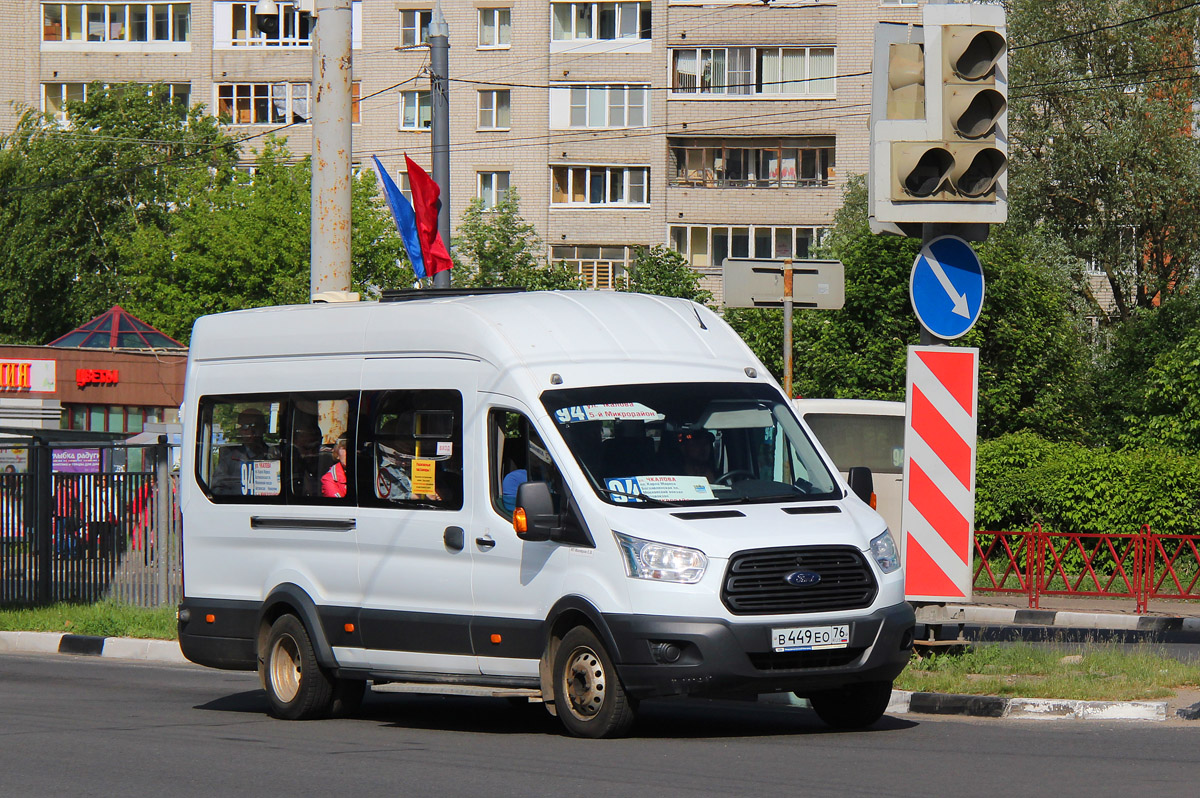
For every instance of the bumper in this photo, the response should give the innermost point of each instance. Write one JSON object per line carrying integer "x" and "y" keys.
{"x": 716, "y": 656}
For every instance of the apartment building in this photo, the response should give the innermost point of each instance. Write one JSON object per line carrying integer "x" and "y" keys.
{"x": 718, "y": 128}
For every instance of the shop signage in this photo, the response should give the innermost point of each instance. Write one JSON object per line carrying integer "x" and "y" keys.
{"x": 85, "y": 377}
{"x": 34, "y": 376}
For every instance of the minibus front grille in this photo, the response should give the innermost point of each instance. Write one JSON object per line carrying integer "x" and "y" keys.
{"x": 756, "y": 581}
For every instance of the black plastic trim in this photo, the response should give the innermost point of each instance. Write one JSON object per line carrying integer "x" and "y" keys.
{"x": 703, "y": 515}
{"x": 333, "y": 524}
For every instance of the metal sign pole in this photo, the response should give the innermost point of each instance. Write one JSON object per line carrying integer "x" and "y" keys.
{"x": 787, "y": 327}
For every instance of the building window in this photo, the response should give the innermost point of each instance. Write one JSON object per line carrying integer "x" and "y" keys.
{"x": 55, "y": 96}
{"x": 493, "y": 110}
{"x": 116, "y": 22}
{"x": 706, "y": 246}
{"x": 416, "y": 111}
{"x": 600, "y": 21}
{"x": 263, "y": 103}
{"x": 788, "y": 71}
{"x": 752, "y": 163}
{"x": 287, "y": 27}
{"x": 603, "y": 268}
{"x": 607, "y": 106}
{"x": 114, "y": 418}
{"x": 600, "y": 185}
{"x": 414, "y": 28}
{"x": 492, "y": 188}
{"x": 495, "y": 28}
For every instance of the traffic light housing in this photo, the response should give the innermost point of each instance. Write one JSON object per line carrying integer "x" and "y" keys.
{"x": 939, "y": 149}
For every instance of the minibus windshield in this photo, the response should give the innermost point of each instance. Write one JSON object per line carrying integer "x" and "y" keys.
{"x": 689, "y": 443}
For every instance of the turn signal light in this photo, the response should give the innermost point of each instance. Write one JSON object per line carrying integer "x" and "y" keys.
{"x": 349, "y": 627}
{"x": 495, "y": 638}
{"x": 210, "y": 618}
{"x": 520, "y": 522}
{"x": 874, "y": 502}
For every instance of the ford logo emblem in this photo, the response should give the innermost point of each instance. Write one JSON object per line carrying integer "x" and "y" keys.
{"x": 802, "y": 578}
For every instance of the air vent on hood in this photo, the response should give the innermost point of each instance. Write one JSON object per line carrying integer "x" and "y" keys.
{"x": 822, "y": 508}
{"x": 706, "y": 514}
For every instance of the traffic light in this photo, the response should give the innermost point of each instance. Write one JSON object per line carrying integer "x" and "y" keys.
{"x": 939, "y": 150}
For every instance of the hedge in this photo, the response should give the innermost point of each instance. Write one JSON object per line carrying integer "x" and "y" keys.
{"x": 1070, "y": 488}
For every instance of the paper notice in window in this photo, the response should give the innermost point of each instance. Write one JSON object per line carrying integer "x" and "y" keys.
{"x": 422, "y": 476}
{"x": 265, "y": 478}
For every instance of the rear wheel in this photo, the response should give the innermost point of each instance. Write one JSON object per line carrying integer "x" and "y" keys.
{"x": 588, "y": 696}
{"x": 297, "y": 688}
{"x": 855, "y": 706}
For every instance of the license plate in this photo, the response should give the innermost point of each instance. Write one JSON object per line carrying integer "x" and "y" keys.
{"x": 810, "y": 638}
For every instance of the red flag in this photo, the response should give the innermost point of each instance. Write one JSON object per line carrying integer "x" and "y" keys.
{"x": 425, "y": 194}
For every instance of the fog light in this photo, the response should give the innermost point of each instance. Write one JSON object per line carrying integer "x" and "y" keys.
{"x": 906, "y": 640}
{"x": 665, "y": 653}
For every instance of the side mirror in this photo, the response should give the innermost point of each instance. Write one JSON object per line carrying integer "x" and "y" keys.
{"x": 862, "y": 484}
{"x": 534, "y": 517}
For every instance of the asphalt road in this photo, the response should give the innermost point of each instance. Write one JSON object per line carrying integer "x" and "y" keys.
{"x": 77, "y": 726}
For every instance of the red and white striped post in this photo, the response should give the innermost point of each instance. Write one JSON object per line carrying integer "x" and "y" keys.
{"x": 939, "y": 472}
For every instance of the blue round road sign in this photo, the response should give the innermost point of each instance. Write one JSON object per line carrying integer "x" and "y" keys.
{"x": 946, "y": 287}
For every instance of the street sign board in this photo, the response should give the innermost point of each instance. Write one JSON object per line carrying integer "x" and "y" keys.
{"x": 759, "y": 283}
{"x": 946, "y": 287}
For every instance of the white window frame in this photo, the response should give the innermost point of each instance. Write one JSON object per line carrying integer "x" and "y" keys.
{"x": 412, "y": 22}
{"x": 615, "y": 193}
{"x": 225, "y": 37}
{"x": 176, "y": 39}
{"x": 600, "y": 106}
{"x": 284, "y": 101}
{"x": 501, "y": 26}
{"x": 412, "y": 99}
{"x": 694, "y": 233}
{"x": 488, "y": 188}
{"x": 63, "y": 94}
{"x": 494, "y": 109}
{"x": 727, "y": 83}
{"x": 615, "y": 269}
{"x": 627, "y": 20}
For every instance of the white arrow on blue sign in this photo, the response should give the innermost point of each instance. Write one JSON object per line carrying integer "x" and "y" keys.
{"x": 946, "y": 287}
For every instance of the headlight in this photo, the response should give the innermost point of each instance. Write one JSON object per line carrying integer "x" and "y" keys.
{"x": 645, "y": 559}
{"x": 883, "y": 549}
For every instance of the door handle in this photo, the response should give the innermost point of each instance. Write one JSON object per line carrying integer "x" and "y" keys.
{"x": 454, "y": 538}
{"x": 486, "y": 542}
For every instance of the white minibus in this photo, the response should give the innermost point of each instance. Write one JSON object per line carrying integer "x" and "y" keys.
{"x": 584, "y": 499}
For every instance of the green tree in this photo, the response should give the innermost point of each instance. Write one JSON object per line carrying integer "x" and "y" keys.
{"x": 497, "y": 247}
{"x": 1102, "y": 147}
{"x": 71, "y": 195}
{"x": 246, "y": 243}
{"x": 662, "y": 271}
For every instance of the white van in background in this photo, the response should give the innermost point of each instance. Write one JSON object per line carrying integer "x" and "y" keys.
{"x": 863, "y": 432}
{"x": 580, "y": 498}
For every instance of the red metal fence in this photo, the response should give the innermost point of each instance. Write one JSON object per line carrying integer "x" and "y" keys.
{"x": 1140, "y": 565}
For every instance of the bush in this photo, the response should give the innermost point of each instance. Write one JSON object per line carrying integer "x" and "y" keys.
{"x": 1070, "y": 488}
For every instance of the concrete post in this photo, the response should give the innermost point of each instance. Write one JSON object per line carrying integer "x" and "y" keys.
{"x": 332, "y": 146}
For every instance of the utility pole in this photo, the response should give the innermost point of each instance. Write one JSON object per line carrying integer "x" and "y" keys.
{"x": 439, "y": 71}
{"x": 331, "y": 126}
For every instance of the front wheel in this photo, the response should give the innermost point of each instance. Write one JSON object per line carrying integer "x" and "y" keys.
{"x": 297, "y": 688}
{"x": 588, "y": 695}
{"x": 855, "y": 706}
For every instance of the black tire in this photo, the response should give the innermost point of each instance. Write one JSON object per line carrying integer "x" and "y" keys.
{"x": 297, "y": 688}
{"x": 855, "y": 706}
{"x": 588, "y": 695}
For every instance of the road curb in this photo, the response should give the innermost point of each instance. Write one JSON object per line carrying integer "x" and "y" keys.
{"x": 980, "y": 706}
{"x": 91, "y": 646}
{"x": 1068, "y": 619}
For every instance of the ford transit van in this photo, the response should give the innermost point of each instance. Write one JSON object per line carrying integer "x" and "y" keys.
{"x": 584, "y": 499}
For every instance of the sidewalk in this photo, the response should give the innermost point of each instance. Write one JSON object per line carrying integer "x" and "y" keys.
{"x": 1066, "y": 612}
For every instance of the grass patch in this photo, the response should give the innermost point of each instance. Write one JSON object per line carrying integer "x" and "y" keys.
{"x": 1085, "y": 672}
{"x": 107, "y": 619}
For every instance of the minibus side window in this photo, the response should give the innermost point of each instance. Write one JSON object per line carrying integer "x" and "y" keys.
{"x": 516, "y": 454}
{"x": 319, "y": 431}
{"x": 242, "y": 444}
{"x": 411, "y": 452}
